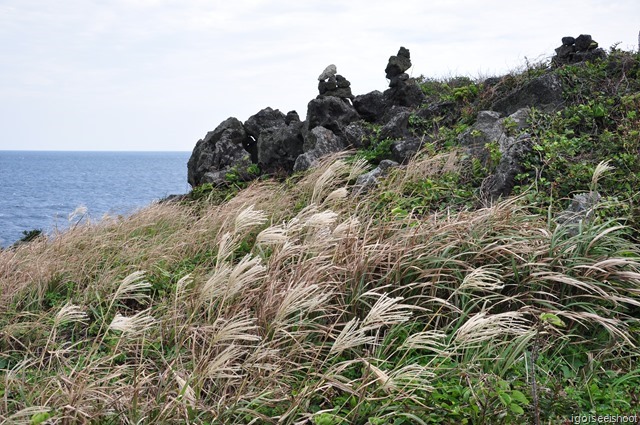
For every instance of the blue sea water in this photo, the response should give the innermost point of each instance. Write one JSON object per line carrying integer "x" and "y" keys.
{"x": 39, "y": 190}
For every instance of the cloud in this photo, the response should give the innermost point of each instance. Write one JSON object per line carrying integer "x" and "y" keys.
{"x": 146, "y": 71}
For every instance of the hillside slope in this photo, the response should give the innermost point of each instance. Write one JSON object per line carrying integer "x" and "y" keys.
{"x": 412, "y": 295}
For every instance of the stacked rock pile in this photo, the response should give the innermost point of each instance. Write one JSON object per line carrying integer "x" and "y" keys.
{"x": 333, "y": 84}
{"x": 580, "y": 49}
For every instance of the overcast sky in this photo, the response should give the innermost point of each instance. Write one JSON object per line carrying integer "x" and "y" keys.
{"x": 159, "y": 74}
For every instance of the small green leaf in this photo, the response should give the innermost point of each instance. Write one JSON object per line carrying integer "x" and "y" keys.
{"x": 552, "y": 319}
{"x": 505, "y": 398}
{"x": 516, "y": 409}
{"x": 38, "y": 418}
{"x": 517, "y": 396}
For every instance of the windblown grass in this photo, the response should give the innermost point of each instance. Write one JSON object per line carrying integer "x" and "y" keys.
{"x": 304, "y": 305}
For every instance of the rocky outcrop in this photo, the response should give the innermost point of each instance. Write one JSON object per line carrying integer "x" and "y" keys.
{"x": 337, "y": 120}
{"x": 331, "y": 113}
{"x": 544, "y": 92}
{"x": 221, "y": 151}
{"x": 512, "y": 144}
{"x": 370, "y": 106}
{"x": 278, "y": 147}
{"x": 580, "y": 49}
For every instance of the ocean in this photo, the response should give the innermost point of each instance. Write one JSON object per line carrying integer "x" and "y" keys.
{"x": 41, "y": 190}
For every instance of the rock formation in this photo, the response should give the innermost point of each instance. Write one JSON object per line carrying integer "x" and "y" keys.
{"x": 336, "y": 120}
{"x": 332, "y": 84}
{"x": 580, "y": 49}
{"x": 403, "y": 90}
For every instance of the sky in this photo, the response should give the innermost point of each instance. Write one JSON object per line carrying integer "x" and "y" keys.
{"x": 156, "y": 75}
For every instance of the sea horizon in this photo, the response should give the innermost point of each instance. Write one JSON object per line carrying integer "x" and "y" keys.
{"x": 41, "y": 189}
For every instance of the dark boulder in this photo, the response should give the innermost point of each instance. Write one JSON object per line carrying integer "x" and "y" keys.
{"x": 398, "y": 64}
{"x": 544, "y": 92}
{"x": 336, "y": 86}
{"x": 447, "y": 113}
{"x": 405, "y": 91}
{"x": 405, "y": 149}
{"x": 501, "y": 182}
{"x": 370, "y": 106}
{"x": 396, "y": 123}
{"x": 292, "y": 116}
{"x": 266, "y": 118}
{"x": 318, "y": 142}
{"x": 278, "y": 147}
{"x": 220, "y": 150}
{"x": 331, "y": 113}
{"x": 355, "y": 135}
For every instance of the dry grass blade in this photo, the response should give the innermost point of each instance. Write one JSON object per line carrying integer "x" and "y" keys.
{"x": 185, "y": 391}
{"x": 327, "y": 179}
{"x": 412, "y": 377}
{"x": 272, "y": 235}
{"x": 336, "y": 195}
{"x": 301, "y": 299}
{"x": 482, "y": 279}
{"x": 240, "y": 328}
{"x": 132, "y": 288}
{"x": 602, "y": 168}
{"x": 69, "y": 313}
{"x": 133, "y": 325}
{"x": 427, "y": 340}
{"x": 25, "y": 415}
{"x": 350, "y": 336}
{"x": 386, "y": 311}
{"x": 381, "y": 377}
{"x": 226, "y": 364}
{"x": 483, "y": 327}
{"x": 248, "y": 218}
{"x": 349, "y": 227}
{"x": 216, "y": 286}
{"x": 225, "y": 248}
{"x": 248, "y": 271}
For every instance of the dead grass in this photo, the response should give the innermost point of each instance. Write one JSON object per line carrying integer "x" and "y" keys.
{"x": 268, "y": 308}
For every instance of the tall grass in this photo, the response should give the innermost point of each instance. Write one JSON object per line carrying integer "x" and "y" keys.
{"x": 303, "y": 305}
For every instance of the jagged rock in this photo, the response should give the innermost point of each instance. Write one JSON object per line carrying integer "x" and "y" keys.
{"x": 370, "y": 106}
{"x": 405, "y": 91}
{"x": 278, "y": 147}
{"x": 446, "y": 112}
{"x": 292, "y": 116}
{"x": 405, "y": 149}
{"x": 568, "y": 41}
{"x": 490, "y": 128}
{"x": 397, "y": 123}
{"x": 368, "y": 181}
{"x": 501, "y": 182}
{"x": 319, "y": 142}
{"x": 220, "y": 150}
{"x": 544, "y": 92}
{"x": 355, "y": 135}
{"x": 266, "y": 118}
{"x": 331, "y": 113}
{"x": 398, "y": 64}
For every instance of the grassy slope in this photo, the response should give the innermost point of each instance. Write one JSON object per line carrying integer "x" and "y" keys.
{"x": 295, "y": 303}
